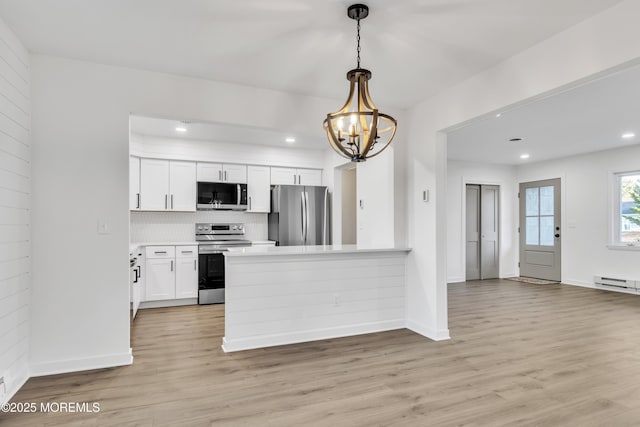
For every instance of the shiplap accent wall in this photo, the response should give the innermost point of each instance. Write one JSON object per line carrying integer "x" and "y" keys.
{"x": 284, "y": 299}
{"x": 15, "y": 201}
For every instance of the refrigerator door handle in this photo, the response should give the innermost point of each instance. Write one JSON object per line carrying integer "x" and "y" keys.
{"x": 306, "y": 208}
{"x": 326, "y": 217}
{"x": 302, "y": 215}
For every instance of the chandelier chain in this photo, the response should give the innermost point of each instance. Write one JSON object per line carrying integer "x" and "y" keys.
{"x": 358, "y": 43}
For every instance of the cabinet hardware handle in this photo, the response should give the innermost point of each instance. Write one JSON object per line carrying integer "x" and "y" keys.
{"x": 249, "y": 202}
{"x": 165, "y": 201}
{"x": 220, "y": 175}
{"x": 138, "y": 206}
{"x": 139, "y": 272}
{"x": 299, "y": 180}
{"x": 171, "y": 265}
{"x": 195, "y": 265}
{"x": 160, "y": 252}
{"x": 225, "y": 175}
{"x": 135, "y": 271}
{"x": 294, "y": 179}
{"x": 172, "y": 201}
{"x": 187, "y": 252}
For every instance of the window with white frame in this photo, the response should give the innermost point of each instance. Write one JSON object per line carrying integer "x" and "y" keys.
{"x": 627, "y": 209}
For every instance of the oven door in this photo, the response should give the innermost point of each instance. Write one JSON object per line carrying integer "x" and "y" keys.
{"x": 211, "y": 277}
{"x": 220, "y": 195}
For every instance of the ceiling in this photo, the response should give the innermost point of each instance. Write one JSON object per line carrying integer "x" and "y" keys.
{"x": 415, "y": 48}
{"x": 223, "y": 133}
{"x": 590, "y": 118}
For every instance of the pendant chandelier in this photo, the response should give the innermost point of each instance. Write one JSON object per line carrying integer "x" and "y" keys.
{"x": 358, "y": 130}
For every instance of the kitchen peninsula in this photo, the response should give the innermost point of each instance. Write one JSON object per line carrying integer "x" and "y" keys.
{"x": 290, "y": 294}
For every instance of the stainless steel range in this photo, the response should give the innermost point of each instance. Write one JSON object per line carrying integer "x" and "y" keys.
{"x": 214, "y": 240}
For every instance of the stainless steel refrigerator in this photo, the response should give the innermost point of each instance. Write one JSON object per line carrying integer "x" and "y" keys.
{"x": 299, "y": 215}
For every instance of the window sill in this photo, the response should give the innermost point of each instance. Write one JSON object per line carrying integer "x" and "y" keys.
{"x": 624, "y": 247}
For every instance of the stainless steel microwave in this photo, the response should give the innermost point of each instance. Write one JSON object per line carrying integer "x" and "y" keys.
{"x": 222, "y": 196}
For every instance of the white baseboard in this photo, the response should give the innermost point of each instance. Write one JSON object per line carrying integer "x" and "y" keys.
{"x": 424, "y": 330}
{"x": 168, "y": 303}
{"x": 455, "y": 279}
{"x": 85, "y": 364}
{"x": 230, "y": 345}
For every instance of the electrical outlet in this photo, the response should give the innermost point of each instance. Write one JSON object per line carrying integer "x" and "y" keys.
{"x": 103, "y": 227}
{"x": 336, "y": 300}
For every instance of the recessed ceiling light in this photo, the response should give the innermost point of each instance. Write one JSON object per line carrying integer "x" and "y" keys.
{"x": 499, "y": 114}
{"x": 628, "y": 135}
{"x": 515, "y": 139}
{"x": 181, "y": 129}
{"x": 290, "y": 140}
{"x": 524, "y": 156}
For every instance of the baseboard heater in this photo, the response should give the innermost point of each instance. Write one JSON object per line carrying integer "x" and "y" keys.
{"x": 615, "y": 282}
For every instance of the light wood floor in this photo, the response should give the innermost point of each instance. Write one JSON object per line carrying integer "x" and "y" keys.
{"x": 545, "y": 355}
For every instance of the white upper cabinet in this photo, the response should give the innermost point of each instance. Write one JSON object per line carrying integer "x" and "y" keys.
{"x": 209, "y": 172}
{"x": 312, "y": 177}
{"x": 134, "y": 183}
{"x": 258, "y": 189}
{"x": 236, "y": 174}
{"x": 154, "y": 185}
{"x": 289, "y": 176}
{"x": 167, "y": 185}
{"x": 218, "y": 172}
{"x": 182, "y": 186}
{"x": 284, "y": 176}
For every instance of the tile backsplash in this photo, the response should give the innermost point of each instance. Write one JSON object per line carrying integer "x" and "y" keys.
{"x": 179, "y": 226}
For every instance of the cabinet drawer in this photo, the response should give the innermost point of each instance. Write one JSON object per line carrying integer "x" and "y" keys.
{"x": 186, "y": 251}
{"x": 161, "y": 251}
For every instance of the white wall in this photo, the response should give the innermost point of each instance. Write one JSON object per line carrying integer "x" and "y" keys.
{"x": 582, "y": 52}
{"x": 349, "y": 206}
{"x": 15, "y": 209}
{"x": 458, "y": 175}
{"x": 586, "y": 213}
{"x": 81, "y": 140}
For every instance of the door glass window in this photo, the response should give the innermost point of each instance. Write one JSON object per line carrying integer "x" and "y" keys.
{"x": 539, "y": 214}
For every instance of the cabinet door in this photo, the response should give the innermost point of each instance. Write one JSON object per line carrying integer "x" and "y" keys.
{"x": 283, "y": 176}
{"x": 209, "y": 172}
{"x": 182, "y": 186}
{"x": 154, "y": 185}
{"x": 160, "y": 279}
{"x": 235, "y": 174}
{"x": 309, "y": 177}
{"x": 134, "y": 183}
{"x": 258, "y": 189}
{"x": 186, "y": 277}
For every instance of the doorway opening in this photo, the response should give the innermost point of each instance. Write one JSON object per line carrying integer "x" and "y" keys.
{"x": 482, "y": 232}
{"x": 348, "y": 206}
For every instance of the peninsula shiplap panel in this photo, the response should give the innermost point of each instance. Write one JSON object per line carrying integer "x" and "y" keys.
{"x": 326, "y": 294}
{"x": 15, "y": 205}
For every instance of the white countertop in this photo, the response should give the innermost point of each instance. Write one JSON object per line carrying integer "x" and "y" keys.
{"x": 306, "y": 250}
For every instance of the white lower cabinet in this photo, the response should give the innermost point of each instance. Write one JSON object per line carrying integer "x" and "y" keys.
{"x": 186, "y": 273}
{"x": 171, "y": 272}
